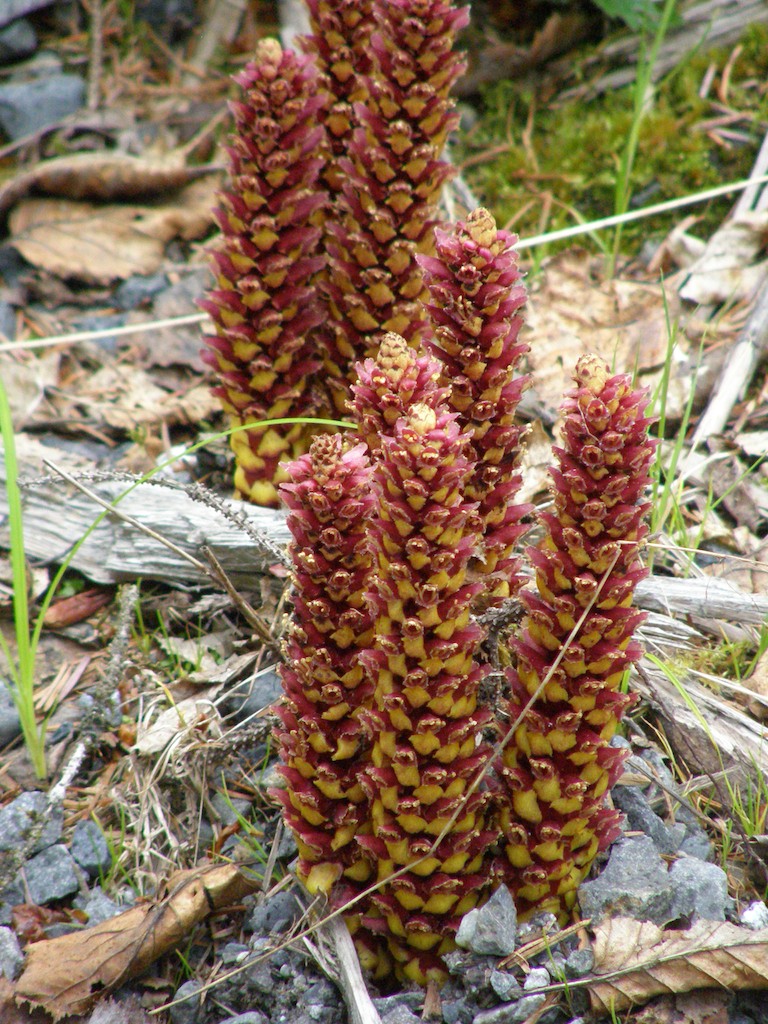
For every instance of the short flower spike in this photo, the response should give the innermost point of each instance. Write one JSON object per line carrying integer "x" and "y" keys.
{"x": 476, "y": 297}
{"x": 264, "y": 305}
{"x": 394, "y": 173}
{"x": 425, "y": 720}
{"x": 322, "y": 743}
{"x": 576, "y": 645}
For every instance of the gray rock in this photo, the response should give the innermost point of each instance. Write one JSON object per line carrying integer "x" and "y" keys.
{"x": 641, "y": 818}
{"x": 538, "y": 977}
{"x": 234, "y": 953}
{"x": 276, "y": 914}
{"x": 90, "y": 849}
{"x": 51, "y": 875}
{"x": 98, "y": 906}
{"x": 491, "y": 930}
{"x": 10, "y": 897}
{"x": 102, "y": 322}
{"x": 26, "y": 107}
{"x": 696, "y": 843}
{"x": 10, "y": 724}
{"x": 579, "y": 962}
{"x": 11, "y": 957}
{"x": 635, "y": 883}
{"x": 27, "y": 812}
{"x": 400, "y": 1015}
{"x": 12, "y": 265}
{"x": 754, "y": 916}
{"x": 456, "y": 1011}
{"x": 412, "y": 1000}
{"x": 506, "y": 986}
{"x": 17, "y": 41}
{"x": 251, "y": 696}
{"x": 700, "y": 889}
{"x": 188, "y": 1010}
{"x": 139, "y": 290}
{"x": 10, "y": 10}
{"x": 250, "y": 1017}
{"x": 511, "y": 1013}
{"x": 228, "y": 808}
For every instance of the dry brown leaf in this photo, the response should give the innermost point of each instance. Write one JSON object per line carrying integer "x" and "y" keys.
{"x": 125, "y": 398}
{"x": 67, "y": 975}
{"x": 26, "y": 377}
{"x": 636, "y": 960}
{"x": 726, "y": 271}
{"x": 99, "y": 243}
{"x": 688, "y": 1008}
{"x": 102, "y": 176}
{"x": 572, "y": 312}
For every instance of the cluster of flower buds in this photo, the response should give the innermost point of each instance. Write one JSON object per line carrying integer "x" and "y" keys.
{"x": 394, "y": 172}
{"x": 322, "y": 744}
{"x": 428, "y": 838}
{"x": 476, "y": 296}
{"x": 566, "y": 695}
{"x": 264, "y": 306}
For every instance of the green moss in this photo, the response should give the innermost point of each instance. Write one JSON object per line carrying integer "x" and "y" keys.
{"x": 568, "y": 171}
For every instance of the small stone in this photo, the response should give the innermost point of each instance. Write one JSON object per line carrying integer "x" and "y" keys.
{"x": 491, "y": 930}
{"x": 90, "y": 849}
{"x": 11, "y": 957}
{"x": 511, "y": 1013}
{"x": 27, "y": 107}
{"x": 249, "y": 1017}
{"x": 400, "y": 1015}
{"x": 506, "y": 986}
{"x": 51, "y": 875}
{"x": 10, "y": 724}
{"x": 538, "y": 977}
{"x": 17, "y": 41}
{"x": 98, "y": 906}
{"x": 187, "y": 1003}
{"x": 11, "y": 896}
{"x": 102, "y": 322}
{"x": 579, "y": 962}
{"x": 755, "y": 916}
{"x": 412, "y": 1000}
{"x": 230, "y": 809}
{"x": 700, "y": 890}
{"x": 7, "y": 333}
{"x": 26, "y": 813}
{"x": 234, "y": 953}
{"x": 253, "y": 695}
{"x": 456, "y": 1011}
{"x": 276, "y": 914}
{"x": 696, "y": 843}
{"x": 642, "y": 818}
{"x": 635, "y": 883}
{"x": 139, "y": 290}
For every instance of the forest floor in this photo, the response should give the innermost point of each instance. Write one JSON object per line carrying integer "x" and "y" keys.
{"x": 105, "y": 221}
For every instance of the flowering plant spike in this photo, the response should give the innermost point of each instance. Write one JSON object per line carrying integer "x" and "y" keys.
{"x": 322, "y": 744}
{"x": 576, "y": 643}
{"x": 475, "y": 300}
{"x": 425, "y": 719}
{"x": 264, "y": 305}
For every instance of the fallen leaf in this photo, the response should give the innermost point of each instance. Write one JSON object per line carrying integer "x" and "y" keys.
{"x": 636, "y": 960}
{"x": 183, "y": 718}
{"x": 68, "y": 974}
{"x": 26, "y": 377}
{"x": 102, "y": 176}
{"x": 726, "y": 270}
{"x": 69, "y": 610}
{"x": 99, "y": 243}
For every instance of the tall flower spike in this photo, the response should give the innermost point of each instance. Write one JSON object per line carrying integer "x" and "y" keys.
{"x": 264, "y": 306}
{"x": 320, "y": 737}
{"x": 393, "y": 178}
{"x": 558, "y": 765}
{"x": 476, "y": 296}
{"x": 425, "y": 719}
{"x": 389, "y": 385}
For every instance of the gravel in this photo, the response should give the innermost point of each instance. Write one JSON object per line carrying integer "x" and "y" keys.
{"x": 491, "y": 930}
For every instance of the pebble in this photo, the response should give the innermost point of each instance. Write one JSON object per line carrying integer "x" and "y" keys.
{"x": 700, "y": 890}
{"x": 188, "y": 1010}
{"x": 11, "y": 957}
{"x": 754, "y": 916}
{"x": 90, "y": 849}
{"x": 491, "y": 930}
{"x": 10, "y": 724}
{"x": 506, "y": 986}
{"x": 139, "y": 290}
{"x": 27, "y": 107}
{"x": 400, "y": 1015}
{"x": 51, "y": 875}
{"x": 642, "y": 818}
{"x": 538, "y": 977}
{"x": 275, "y": 914}
{"x": 253, "y": 695}
{"x": 511, "y": 1013}
{"x": 102, "y": 322}
{"x": 412, "y": 1000}
{"x": 23, "y": 814}
{"x": 579, "y": 962}
{"x": 250, "y": 1017}
{"x": 98, "y": 906}
{"x": 17, "y": 41}
{"x": 635, "y": 883}
{"x": 12, "y": 9}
